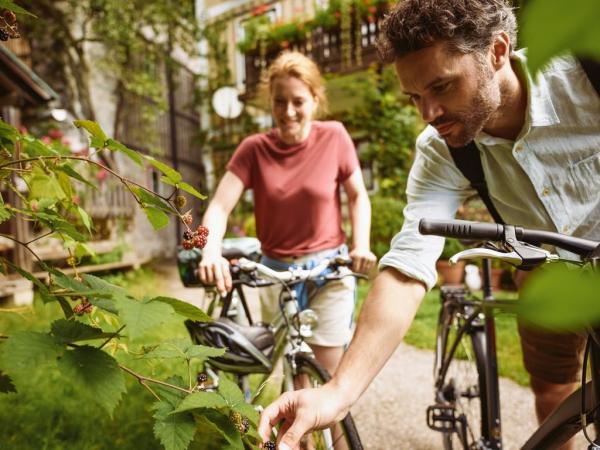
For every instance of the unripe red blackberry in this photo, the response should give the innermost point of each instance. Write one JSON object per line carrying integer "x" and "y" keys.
{"x": 9, "y": 17}
{"x": 188, "y": 245}
{"x": 202, "y": 230}
{"x": 200, "y": 242}
{"x": 187, "y": 218}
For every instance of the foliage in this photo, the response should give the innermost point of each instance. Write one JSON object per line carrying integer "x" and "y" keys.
{"x": 102, "y": 324}
{"x": 260, "y": 28}
{"x": 451, "y": 247}
{"x": 135, "y": 39}
{"x": 387, "y": 123}
{"x": 573, "y": 24}
{"x": 386, "y": 220}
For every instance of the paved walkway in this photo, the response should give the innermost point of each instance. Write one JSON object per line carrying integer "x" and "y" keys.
{"x": 391, "y": 413}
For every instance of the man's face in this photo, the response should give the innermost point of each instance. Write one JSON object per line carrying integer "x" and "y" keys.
{"x": 457, "y": 94}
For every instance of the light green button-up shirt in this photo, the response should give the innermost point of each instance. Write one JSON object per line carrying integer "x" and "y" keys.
{"x": 548, "y": 178}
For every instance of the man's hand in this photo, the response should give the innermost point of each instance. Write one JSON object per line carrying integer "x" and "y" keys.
{"x": 363, "y": 260}
{"x": 301, "y": 412}
{"x": 214, "y": 269}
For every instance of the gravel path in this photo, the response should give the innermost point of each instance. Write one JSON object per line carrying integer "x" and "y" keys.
{"x": 391, "y": 412}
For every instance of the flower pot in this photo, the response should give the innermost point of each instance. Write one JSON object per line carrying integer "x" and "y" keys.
{"x": 450, "y": 274}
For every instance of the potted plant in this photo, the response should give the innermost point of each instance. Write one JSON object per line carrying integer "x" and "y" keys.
{"x": 450, "y": 274}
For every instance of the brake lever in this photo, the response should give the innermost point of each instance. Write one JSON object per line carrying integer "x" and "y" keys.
{"x": 477, "y": 253}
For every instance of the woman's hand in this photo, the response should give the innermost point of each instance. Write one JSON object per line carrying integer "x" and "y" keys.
{"x": 214, "y": 269}
{"x": 363, "y": 260}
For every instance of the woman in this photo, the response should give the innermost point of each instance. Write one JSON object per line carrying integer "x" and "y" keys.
{"x": 295, "y": 171}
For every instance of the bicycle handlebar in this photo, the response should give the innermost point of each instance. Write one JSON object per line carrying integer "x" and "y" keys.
{"x": 290, "y": 274}
{"x": 463, "y": 229}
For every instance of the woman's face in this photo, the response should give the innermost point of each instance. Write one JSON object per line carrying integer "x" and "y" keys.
{"x": 293, "y": 106}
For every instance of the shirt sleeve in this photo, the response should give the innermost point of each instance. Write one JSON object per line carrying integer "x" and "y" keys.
{"x": 242, "y": 162}
{"x": 435, "y": 190}
{"x": 348, "y": 159}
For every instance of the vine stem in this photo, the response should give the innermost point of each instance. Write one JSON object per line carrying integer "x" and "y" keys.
{"x": 115, "y": 334}
{"x": 123, "y": 180}
{"x": 142, "y": 379}
{"x": 24, "y": 244}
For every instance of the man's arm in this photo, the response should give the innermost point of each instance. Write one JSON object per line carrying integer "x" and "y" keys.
{"x": 385, "y": 318}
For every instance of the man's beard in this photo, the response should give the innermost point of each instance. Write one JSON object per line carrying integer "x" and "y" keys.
{"x": 471, "y": 122}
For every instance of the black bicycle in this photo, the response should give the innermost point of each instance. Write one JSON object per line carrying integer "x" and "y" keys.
{"x": 467, "y": 405}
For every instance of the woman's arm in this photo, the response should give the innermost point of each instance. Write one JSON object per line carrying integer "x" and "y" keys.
{"x": 213, "y": 267}
{"x": 360, "y": 217}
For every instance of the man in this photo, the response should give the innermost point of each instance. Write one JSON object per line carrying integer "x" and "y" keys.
{"x": 539, "y": 141}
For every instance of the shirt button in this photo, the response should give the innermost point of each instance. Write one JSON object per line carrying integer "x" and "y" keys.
{"x": 546, "y": 192}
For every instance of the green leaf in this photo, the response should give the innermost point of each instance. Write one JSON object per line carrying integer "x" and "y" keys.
{"x": 101, "y": 285}
{"x": 158, "y": 219}
{"x": 174, "y": 431}
{"x": 5, "y": 214}
{"x": 34, "y": 147}
{"x": 85, "y": 218}
{"x": 140, "y": 316}
{"x": 73, "y": 331}
{"x": 7, "y": 131}
{"x": 25, "y": 351}
{"x": 41, "y": 286}
{"x": 190, "y": 190}
{"x": 230, "y": 392}
{"x": 82, "y": 249}
{"x": 93, "y": 128}
{"x": 183, "y": 349}
{"x": 118, "y": 147}
{"x": 201, "y": 400}
{"x": 185, "y": 309}
{"x": 43, "y": 185}
{"x": 221, "y": 423}
{"x": 168, "y": 394}
{"x": 151, "y": 199}
{"x": 66, "y": 168}
{"x": 7, "y": 4}
{"x": 105, "y": 304}
{"x": 573, "y": 24}
{"x": 169, "y": 172}
{"x": 248, "y": 410}
{"x": 561, "y": 298}
{"x": 6, "y": 384}
{"x": 96, "y": 373}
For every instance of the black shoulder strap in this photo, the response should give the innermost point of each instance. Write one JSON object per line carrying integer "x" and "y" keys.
{"x": 591, "y": 67}
{"x": 468, "y": 161}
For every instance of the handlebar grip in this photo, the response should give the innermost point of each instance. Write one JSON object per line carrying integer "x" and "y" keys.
{"x": 461, "y": 229}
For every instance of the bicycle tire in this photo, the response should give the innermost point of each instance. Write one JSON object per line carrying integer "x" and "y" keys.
{"x": 317, "y": 375}
{"x": 463, "y": 386}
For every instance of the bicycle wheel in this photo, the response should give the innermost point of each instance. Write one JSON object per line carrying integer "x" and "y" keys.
{"x": 460, "y": 379}
{"x": 345, "y": 434}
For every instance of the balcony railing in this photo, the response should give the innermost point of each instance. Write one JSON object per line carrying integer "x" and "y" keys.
{"x": 326, "y": 47}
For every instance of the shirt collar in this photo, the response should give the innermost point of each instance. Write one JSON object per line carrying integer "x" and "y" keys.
{"x": 540, "y": 110}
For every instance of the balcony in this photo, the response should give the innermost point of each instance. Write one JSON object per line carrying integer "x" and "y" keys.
{"x": 326, "y": 47}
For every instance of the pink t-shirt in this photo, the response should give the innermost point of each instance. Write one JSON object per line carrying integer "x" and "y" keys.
{"x": 297, "y": 188}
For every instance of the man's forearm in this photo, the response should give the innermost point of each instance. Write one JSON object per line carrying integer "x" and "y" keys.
{"x": 386, "y": 315}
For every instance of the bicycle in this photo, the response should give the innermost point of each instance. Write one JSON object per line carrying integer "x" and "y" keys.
{"x": 256, "y": 348}
{"x": 467, "y": 404}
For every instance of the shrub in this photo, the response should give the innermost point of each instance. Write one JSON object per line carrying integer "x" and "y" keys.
{"x": 386, "y": 220}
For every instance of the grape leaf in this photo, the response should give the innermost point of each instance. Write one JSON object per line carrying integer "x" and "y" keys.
{"x": 96, "y": 373}
{"x": 25, "y": 351}
{"x": 140, "y": 316}
{"x": 157, "y": 218}
{"x": 174, "y": 431}
{"x": 73, "y": 331}
{"x": 93, "y": 128}
{"x": 185, "y": 309}
{"x": 200, "y": 400}
{"x": 118, "y": 147}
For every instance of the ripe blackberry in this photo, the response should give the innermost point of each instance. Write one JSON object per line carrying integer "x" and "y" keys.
{"x": 187, "y": 235}
{"x": 201, "y": 377}
{"x": 187, "y": 218}
{"x": 245, "y": 425}
{"x": 269, "y": 445}
{"x": 3, "y": 35}
{"x": 188, "y": 245}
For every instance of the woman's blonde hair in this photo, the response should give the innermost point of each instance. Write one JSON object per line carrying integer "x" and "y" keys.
{"x": 295, "y": 64}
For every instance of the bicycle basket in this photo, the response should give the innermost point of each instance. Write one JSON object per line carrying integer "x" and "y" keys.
{"x": 248, "y": 348}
